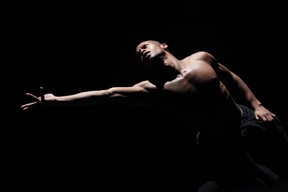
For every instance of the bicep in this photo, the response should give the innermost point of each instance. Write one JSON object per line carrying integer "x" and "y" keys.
{"x": 224, "y": 74}
{"x": 135, "y": 95}
{"x": 126, "y": 91}
{"x": 205, "y": 80}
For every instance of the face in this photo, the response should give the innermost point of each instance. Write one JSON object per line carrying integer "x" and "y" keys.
{"x": 151, "y": 54}
{"x": 149, "y": 50}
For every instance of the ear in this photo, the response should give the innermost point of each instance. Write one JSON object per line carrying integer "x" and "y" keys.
{"x": 164, "y": 46}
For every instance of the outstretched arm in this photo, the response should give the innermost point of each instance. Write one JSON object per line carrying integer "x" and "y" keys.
{"x": 89, "y": 97}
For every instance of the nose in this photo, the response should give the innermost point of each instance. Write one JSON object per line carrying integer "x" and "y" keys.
{"x": 141, "y": 50}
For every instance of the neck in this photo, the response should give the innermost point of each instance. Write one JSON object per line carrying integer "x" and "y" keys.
{"x": 172, "y": 61}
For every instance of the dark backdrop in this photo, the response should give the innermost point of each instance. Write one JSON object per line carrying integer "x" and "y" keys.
{"x": 72, "y": 47}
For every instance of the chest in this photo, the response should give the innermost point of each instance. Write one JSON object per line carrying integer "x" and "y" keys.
{"x": 180, "y": 86}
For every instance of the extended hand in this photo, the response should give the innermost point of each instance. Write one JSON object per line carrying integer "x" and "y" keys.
{"x": 38, "y": 100}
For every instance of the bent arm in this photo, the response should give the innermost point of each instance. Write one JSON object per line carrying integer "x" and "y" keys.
{"x": 236, "y": 84}
{"x": 231, "y": 80}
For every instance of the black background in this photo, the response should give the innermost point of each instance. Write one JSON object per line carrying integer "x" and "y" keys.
{"x": 72, "y": 47}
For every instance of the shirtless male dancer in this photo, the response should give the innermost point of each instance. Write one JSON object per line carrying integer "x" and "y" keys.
{"x": 198, "y": 87}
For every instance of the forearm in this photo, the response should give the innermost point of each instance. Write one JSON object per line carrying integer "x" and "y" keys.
{"x": 88, "y": 98}
{"x": 82, "y": 96}
{"x": 246, "y": 93}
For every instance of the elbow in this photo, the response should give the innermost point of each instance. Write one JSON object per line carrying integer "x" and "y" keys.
{"x": 112, "y": 92}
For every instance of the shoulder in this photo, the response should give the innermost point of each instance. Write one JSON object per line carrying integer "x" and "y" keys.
{"x": 203, "y": 55}
{"x": 201, "y": 63}
{"x": 201, "y": 67}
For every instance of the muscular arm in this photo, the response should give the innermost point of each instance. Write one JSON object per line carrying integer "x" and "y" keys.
{"x": 234, "y": 83}
{"x": 91, "y": 97}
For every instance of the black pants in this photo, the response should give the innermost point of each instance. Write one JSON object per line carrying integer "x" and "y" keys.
{"x": 266, "y": 142}
{"x": 261, "y": 156}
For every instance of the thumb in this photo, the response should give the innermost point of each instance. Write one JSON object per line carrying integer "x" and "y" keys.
{"x": 42, "y": 92}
